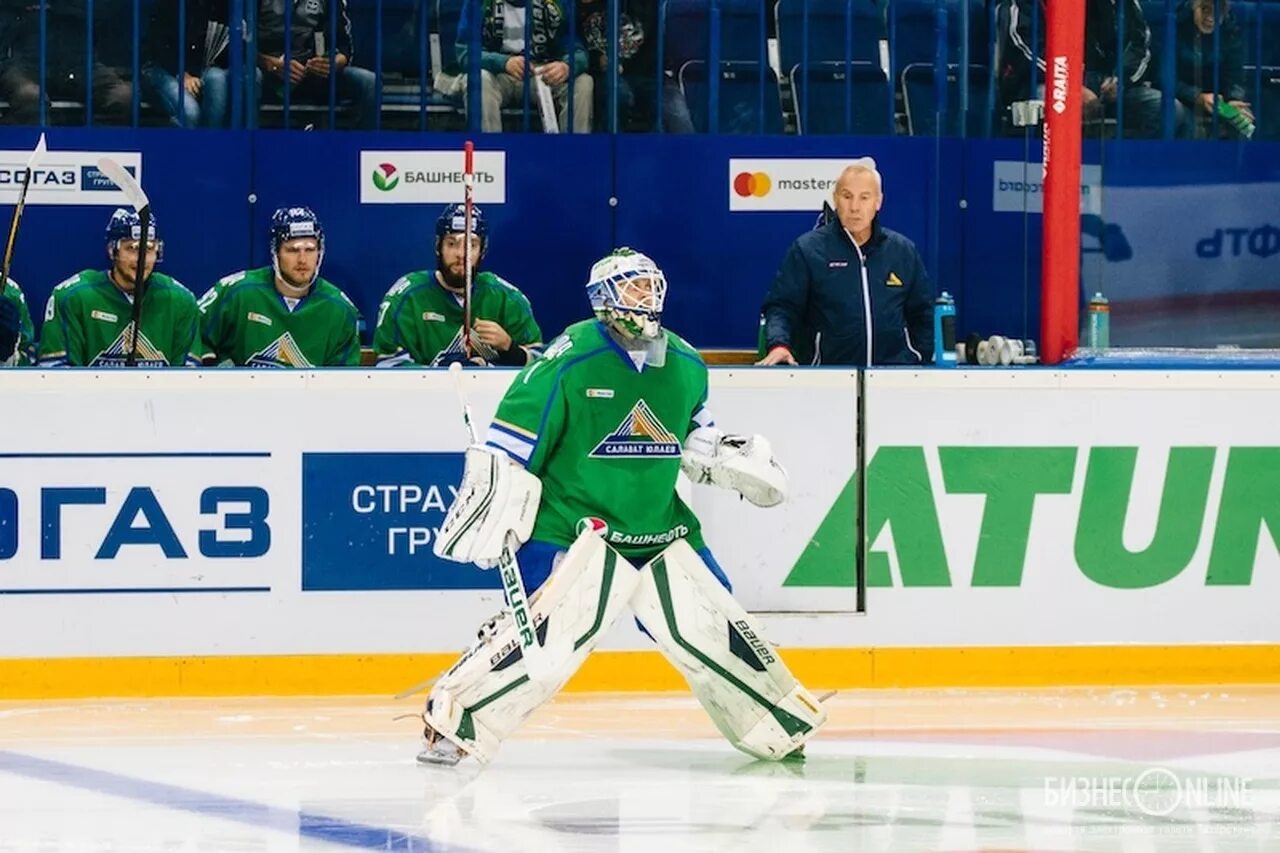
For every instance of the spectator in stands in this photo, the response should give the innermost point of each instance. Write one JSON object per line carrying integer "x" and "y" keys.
{"x": 204, "y": 67}
{"x": 850, "y": 292}
{"x": 1196, "y": 21}
{"x": 637, "y": 69}
{"x": 307, "y": 73}
{"x": 503, "y": 67}
{"x": 65, "y": 35}
{"x": 1101, "y": 61}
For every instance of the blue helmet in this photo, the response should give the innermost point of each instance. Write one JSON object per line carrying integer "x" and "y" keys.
{"x": 125, "y": 224}
{"x": 291, "y": 223}
{"x": 453, "y": 220}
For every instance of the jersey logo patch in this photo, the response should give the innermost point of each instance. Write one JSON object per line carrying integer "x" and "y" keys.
{"x": 432, "y": 316}
{"x": 592, "y": 523}
{"x": 283, "y": 352}
{"x": 255, "y": 317}
{"x": 117, "y": 355}
{"x": 602, "y": 393}
{"x": 640, "y": 436}
{"x": 893, "y": 280}
{"x": 105, "y": 316}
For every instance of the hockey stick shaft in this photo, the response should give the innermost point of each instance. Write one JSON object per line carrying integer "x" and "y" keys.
{"x": 468, "y": 190}
{"x": 36, "y": 154}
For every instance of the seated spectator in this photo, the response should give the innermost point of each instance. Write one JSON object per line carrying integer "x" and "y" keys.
{"x": 204, "y": 57}
{"x": 637, "y": 71}
{"x": 503, "y": 67}
{"x": 1102, "y": 50}
{"x": 284, "y": 315}
{"x": 89, "y": 318}
{"x": 1197, "y": 101}
{"x": 65, "y": 34}
{"x": 307, "y": 74}
{"x": 17, "y": 335}
{"x": 420, "y": 319}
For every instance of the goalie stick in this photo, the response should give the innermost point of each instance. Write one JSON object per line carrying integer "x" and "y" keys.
{"x": 536, "y": 662}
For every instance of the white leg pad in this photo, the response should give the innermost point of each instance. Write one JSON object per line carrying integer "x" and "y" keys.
{"x": 488, "y": 693}
{"x": 738, "y": 677}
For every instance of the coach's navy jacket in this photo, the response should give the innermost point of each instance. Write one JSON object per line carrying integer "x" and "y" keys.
{"x": 818, "y": 305}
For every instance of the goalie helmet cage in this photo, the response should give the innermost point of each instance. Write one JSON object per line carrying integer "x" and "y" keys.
{"x": 1060, "y": 240}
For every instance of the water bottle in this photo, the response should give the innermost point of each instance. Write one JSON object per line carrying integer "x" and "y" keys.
{"x": 1099, "y": 328}
{"x": 944, "y": 331}
{"x": 1236, "y": 119}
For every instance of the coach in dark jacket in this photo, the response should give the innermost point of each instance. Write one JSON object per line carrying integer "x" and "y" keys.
{"x": 851, "y": 292}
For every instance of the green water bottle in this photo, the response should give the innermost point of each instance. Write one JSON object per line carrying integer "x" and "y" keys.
{"x": 1235, "y": 118}
{"x": 1099, "y": 328}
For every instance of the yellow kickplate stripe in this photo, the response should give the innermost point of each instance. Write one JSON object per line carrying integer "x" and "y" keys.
{"x": 301, "y": 675}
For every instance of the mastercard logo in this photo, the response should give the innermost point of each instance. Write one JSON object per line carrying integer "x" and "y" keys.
{"x": 748, "y": 184}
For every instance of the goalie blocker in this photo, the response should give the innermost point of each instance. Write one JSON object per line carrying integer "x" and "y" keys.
{"x": 739, "y": 679}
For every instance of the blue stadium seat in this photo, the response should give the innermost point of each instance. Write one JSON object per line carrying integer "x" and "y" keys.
{"x": 835, "y": 28}
{"x": 740, "y": 107}
{"x": 743, "y": 30}
{"x": 1270, "y": 23}
{"x": 920, "y": 96}
{"x": 917, "y": 24}
{"x": 918, "y": 27}
{"x": 823, "y": 111}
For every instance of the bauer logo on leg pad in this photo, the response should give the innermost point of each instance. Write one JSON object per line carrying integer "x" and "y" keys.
{"x": 758, "y": 645}
{"x": 519, "y": 607}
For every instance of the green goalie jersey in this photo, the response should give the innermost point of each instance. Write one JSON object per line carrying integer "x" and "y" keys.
{"x": 419, "y": 322}
{"x": 246, "y": 322}
{"x": 88, "y": 322}
{"x": 26, "y": 351}
{"x": 605, "y": 438}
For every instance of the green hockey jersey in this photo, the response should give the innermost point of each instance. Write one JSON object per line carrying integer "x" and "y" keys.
{"x": 88, "y": 322}
{"x": 605, "y": 438}
{"x": 246, "y": 322}
{"x": 26, "y": 351}
{"x": 419, "y": 322}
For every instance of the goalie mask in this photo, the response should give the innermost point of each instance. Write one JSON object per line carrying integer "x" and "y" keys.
{"x": 124, "y": 225}
{"x": 627, "y": 292}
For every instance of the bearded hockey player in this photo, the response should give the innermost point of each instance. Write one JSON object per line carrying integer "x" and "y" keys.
{"x": 284, "y": 315}
{"x": 88, "y": 321}
{"x": 420, "y": 319}
{"x": 579, "y": 474}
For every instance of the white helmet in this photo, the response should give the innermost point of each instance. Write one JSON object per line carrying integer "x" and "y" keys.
{"x": 627, "y": 291}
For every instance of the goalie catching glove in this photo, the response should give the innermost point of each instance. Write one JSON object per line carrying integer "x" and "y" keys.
{"x": 497, "y": 497}
{"x": 741, "y": 463}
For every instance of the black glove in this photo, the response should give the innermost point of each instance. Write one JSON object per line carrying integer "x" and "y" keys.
{"x": 9, "y": 319}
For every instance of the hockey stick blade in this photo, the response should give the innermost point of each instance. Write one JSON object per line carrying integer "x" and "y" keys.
{"x": 127, "y": 183}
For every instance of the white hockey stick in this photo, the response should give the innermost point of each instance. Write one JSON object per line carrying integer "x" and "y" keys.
{"x": 142, "y": 205}
{"x": 537, "y": 664}
{"x": 36, "y": 154}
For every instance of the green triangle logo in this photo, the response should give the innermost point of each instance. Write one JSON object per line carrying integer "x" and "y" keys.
{"x": 828, "y": 558}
